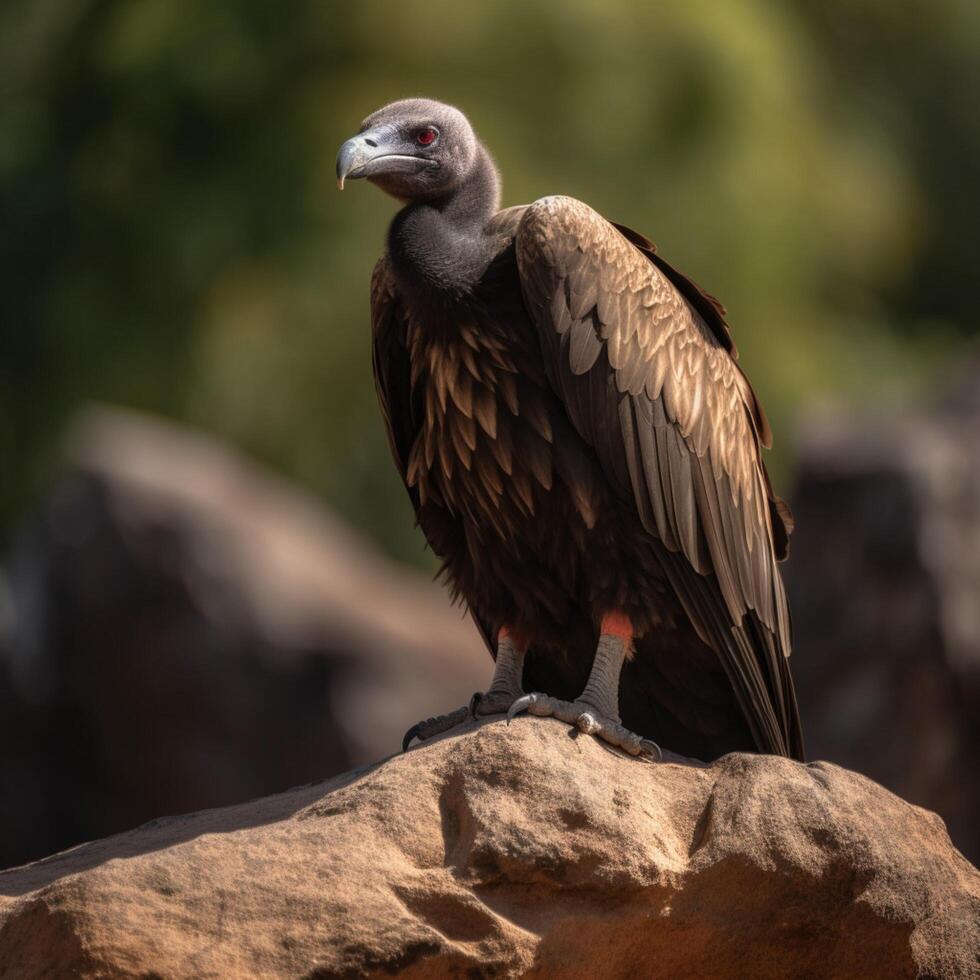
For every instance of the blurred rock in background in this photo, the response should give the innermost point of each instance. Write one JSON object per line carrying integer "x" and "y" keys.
{"x": 181, "y": 630}
{"x": 885, "y": 586}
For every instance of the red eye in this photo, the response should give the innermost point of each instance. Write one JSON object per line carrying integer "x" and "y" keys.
{"x": 426, "y": 137}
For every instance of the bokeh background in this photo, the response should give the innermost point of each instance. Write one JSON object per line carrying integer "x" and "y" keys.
{"x": 210, "y": 583}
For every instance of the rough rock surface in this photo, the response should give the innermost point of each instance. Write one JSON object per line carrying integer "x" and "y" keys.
{"x": 515, "y": 851}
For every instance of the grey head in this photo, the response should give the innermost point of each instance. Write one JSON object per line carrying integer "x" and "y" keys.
{"x": 414, "y": 149}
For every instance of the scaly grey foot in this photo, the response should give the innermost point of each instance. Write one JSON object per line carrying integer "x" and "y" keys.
{"x": 596, "y": 710}
{"x": 505, "y": 688}
{"x": 435, "y": 726}
{"x": 586, "y": 718}
{"x": 487, "y": 703}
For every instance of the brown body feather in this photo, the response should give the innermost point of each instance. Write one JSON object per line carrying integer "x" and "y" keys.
{"x": 577, "y": 437}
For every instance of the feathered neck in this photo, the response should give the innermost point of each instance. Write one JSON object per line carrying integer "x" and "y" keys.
{"x": 441, "y": 245}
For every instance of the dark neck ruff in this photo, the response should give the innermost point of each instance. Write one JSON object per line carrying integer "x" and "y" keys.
{"x": 439, "y": 249}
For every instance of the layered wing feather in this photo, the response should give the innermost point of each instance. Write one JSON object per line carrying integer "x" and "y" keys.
{"x": 646, "y": 367}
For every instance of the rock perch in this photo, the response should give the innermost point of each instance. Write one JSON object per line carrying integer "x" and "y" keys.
{"x": 515, "y": 852}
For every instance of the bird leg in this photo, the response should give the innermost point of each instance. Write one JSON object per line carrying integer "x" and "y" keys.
{"x": 506, "y": 685}
{"x": 596, "y": 710}
{"x": 505, "y": 688}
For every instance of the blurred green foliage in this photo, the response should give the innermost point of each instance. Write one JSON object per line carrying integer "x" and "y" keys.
{"x": 172, "y": 238}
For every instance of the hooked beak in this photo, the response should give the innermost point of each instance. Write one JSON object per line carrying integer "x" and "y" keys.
{"x": 367, "y": 155}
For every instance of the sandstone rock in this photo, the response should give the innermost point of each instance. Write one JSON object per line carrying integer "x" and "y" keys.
{"x": 515, "y": 851}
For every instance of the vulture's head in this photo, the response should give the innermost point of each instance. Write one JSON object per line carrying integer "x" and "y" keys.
{"x": 415, "y": 149}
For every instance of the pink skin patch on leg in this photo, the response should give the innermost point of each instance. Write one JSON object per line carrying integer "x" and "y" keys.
{"x": 520, "y": 643}
{"x": 617, "y": 624}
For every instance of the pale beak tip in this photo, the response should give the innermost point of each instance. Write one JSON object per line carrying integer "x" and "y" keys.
{"x": 340, "y": 182}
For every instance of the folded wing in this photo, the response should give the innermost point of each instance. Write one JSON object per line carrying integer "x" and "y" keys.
{"x": 647, "y": 370}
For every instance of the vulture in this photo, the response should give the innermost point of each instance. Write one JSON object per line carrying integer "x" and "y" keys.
{"x": 583, "y": 454}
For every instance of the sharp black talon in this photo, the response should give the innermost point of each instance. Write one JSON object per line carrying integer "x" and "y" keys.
{"x": 409, "y": 735}
{"x": 521, "y": 704}
{"x": 474, "y": 702}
